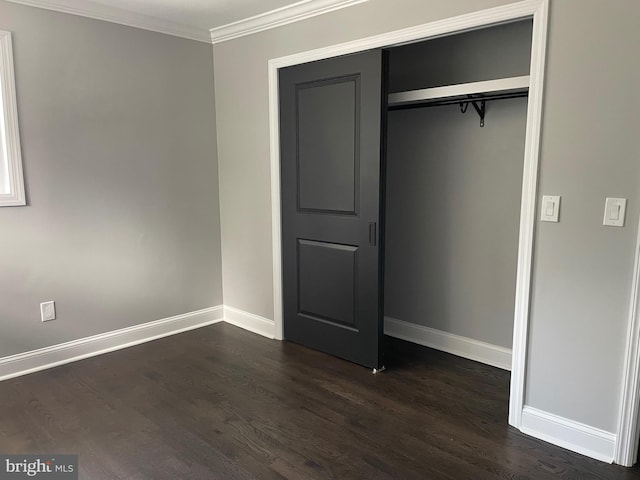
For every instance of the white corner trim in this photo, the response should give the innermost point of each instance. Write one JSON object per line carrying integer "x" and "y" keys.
{"x": 249, "y": 321}
{"x": 99, "y": 11}
{"x": 629, "y": 410}
{"x": 577, "y": 437}
{"x": 33, "y": 361}
{"x": 12, "y": 189}
{"x": 448, "y": 342}
{"x": 278, "y": 17}
{"x": 276, "y": 220}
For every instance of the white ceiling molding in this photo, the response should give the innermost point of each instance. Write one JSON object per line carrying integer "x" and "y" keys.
{"x": 278, "y": 17}
{"x": 106, "y": 13}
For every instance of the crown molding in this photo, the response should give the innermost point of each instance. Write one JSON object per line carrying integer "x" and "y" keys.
{"x": 106, "y": 13}
{"x": 278, "y": 17}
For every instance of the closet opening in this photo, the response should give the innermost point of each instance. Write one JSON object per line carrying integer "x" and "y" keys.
{"x": 455, "y": 148}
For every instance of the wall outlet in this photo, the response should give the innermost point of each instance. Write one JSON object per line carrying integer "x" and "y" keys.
{"x": 48, "y": 311}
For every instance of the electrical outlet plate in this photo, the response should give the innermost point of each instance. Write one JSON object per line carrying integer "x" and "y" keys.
{"x": 48, "y": 311}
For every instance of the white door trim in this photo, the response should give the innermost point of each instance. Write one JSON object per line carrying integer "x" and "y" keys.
{"x": 536, "y": 9}
{"x": 628, "y": 431}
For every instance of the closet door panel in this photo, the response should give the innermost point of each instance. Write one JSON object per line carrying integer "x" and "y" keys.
{"x": 327, "y": 270}
{"x": 327, "y": 156}
{"x": 330, "y": 136}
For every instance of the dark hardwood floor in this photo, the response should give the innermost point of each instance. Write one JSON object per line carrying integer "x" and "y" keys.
{"x": 222, "y": 403}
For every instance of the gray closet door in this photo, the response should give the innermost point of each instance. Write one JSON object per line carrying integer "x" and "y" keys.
{"x": 331, "y": 125}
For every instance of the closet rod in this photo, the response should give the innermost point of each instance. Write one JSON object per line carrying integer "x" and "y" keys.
{"x": 477, "y": 100}
{"x": 459, "y": 100}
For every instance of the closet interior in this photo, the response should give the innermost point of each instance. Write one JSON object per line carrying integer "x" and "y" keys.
{"x": 456, "y": 120}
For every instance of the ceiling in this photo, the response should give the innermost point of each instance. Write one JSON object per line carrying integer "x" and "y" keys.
{"x": 187, "y": 18}
{"x": 202, "y": 20}
{"x": 200, "y": 14}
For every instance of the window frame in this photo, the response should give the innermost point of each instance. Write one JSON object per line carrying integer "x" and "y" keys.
{"x": 11, "y": 160}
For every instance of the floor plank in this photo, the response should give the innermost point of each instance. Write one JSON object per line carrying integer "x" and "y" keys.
{"x": 222, "y": 403}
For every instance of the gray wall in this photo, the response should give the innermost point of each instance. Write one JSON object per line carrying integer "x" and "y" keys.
{"x": 498, "y": 52}
{"x": 582, "y": 271}
{"x": 118, "y": 140}
{"x": 453, "y": 210}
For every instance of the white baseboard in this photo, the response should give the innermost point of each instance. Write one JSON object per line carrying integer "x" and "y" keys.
{"x": 48, "y": 357}
{"x": 559, "y": 431}
{"x": 249, "y": 321}
{"x": 574, "y": 436}
{"x": 447, "y": 342}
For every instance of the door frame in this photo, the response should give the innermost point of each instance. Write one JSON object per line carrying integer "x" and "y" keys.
{"x": 626, "y": 449}
{"x": 538, "y": 11}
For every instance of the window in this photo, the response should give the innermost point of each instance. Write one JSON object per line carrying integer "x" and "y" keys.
{"x": 11, "y": 180}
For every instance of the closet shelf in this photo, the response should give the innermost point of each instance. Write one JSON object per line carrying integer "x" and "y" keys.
{"x": 461, "y": 93}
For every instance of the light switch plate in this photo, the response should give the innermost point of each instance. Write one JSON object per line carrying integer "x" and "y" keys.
{"x": 614, "y": 210}
{"x": 48, "y": 311}
{"x": 550, "y": 209}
